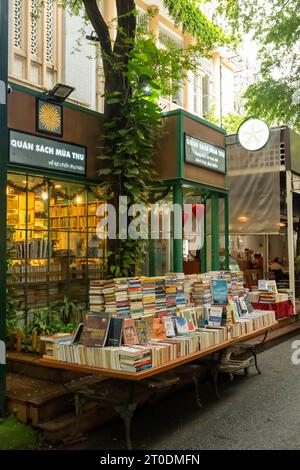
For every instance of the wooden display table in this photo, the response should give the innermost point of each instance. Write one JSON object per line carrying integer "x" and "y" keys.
{"x": 138, "y": 376}
{"x": 133, "y": 388}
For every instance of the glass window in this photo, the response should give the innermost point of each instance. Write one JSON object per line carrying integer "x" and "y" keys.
{"x": 54, "y": 246}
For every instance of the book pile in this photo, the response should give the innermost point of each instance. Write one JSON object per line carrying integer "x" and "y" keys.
{"x": 207, "y": 291}
{"x": 188, "y": 286}
{"x": 96, "y": 297}
{"x": 267, "y": 297}
{"x": 160, "y": 296}
{"x": 197, "y": 293}
{"x": 180, "y": 293}
{"x": 135, "y": 296}
{"x": 116, "y": 296}
{"x": 237, "y": 283}
{"x": 148, "y": 285}
{"x": 134, "y": 359}
{"x": 50, "y": 341}
{"x": 171, "y": 293}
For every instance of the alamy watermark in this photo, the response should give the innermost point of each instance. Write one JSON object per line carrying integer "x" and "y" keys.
{"x": 295, "y": 358}
{"x": 159, "y": 221}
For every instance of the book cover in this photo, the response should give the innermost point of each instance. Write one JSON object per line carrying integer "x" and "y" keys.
{"x": 219, "y": 292}
{"x": 262, "y": 284}
{"x": 114, "y": 336}
{"x": 248, "y": 304}
{"x": 169, "y": 327}
{"x": 142, "y": 330}
{"x": 215, "y": 316}
{"x": 181, "y": 325}
{"x": 95, "y": 330}
{"x": 130, "y": 336}
{"x": 158, "y": 329}
{"x": 235, "y": 313}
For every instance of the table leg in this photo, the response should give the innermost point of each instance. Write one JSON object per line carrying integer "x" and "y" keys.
{"x": 196, "y": 382}
{"x": 255, "y": 360}
{"x": 215, "y": 374}
{"x": 126, "y": 414}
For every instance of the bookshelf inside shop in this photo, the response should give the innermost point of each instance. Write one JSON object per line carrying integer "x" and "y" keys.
{"x": 52, "y": 232}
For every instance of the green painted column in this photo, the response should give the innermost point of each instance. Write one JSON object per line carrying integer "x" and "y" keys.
{"x": 177, "y": 243}
{"x": 3, "y": 184}
{"x": 204, "y": 248}
{"x": 215, "y": 236}
{"x": 226, "y": 214}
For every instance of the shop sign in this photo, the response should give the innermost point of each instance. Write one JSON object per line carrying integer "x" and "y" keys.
{"x": 201, "y": 153}
{"x": 53, "y": 155}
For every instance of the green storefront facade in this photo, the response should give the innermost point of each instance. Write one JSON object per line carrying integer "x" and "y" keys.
{"x": 52, "y": 212}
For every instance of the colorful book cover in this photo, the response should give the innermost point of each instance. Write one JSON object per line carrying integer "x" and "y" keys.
{"x": 158, "y": 328}
{"x": 248, "y": 304}
{"x": 215, "y": 316}
{"x": 235, "y": 312}
{"x": 130, "y": 336}
{"x": 169, "y": 326}
{"x": 181, "y": 324}
{"x": 262, "y": 284}
{"x": 142, "y": 330}
{"x": 219, "y": 292}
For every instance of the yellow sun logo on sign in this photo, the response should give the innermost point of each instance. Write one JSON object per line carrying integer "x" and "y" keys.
{"x": 49, "y": 117}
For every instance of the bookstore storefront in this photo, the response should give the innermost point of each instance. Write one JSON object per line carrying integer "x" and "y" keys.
{"x": 52, "y": 198}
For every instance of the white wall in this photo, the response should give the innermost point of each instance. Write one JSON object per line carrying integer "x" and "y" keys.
{"x": 79, "y": 70}
{"x": 227, "y": 90}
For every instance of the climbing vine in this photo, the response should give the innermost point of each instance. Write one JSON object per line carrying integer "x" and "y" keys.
{"x": 136, "y": 73}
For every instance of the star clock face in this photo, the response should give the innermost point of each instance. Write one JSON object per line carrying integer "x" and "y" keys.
{"x": 253, "y": 134}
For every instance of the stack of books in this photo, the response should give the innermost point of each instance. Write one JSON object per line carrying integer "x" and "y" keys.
{"x": 160, "y": 296}
{"x": 188, "y": 286}
{"x": 237, "y": 283}
{"x": 148, "y": 286}
{"x": 207, "y": 299}
{"x": 171, "y": 293}
{"x": 122, "y": 300}
{"x": 180, "y": 294}
{"x": 135, "y": 296}
{"x": 134, "y": 359}
{"x": 267, "y": 297}
{"x": 116, "y": 296}
{"x": 96, "y": 297}
{"x": 197, "y": 293}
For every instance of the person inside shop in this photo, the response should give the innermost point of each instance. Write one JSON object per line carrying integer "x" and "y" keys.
{"x": 258, "y": 262}
{"x": 277, "y": 268}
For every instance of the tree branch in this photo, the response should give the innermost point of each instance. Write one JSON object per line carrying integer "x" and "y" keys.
{"x": 99, "y": 25}
{"x": 126, "y": 23}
